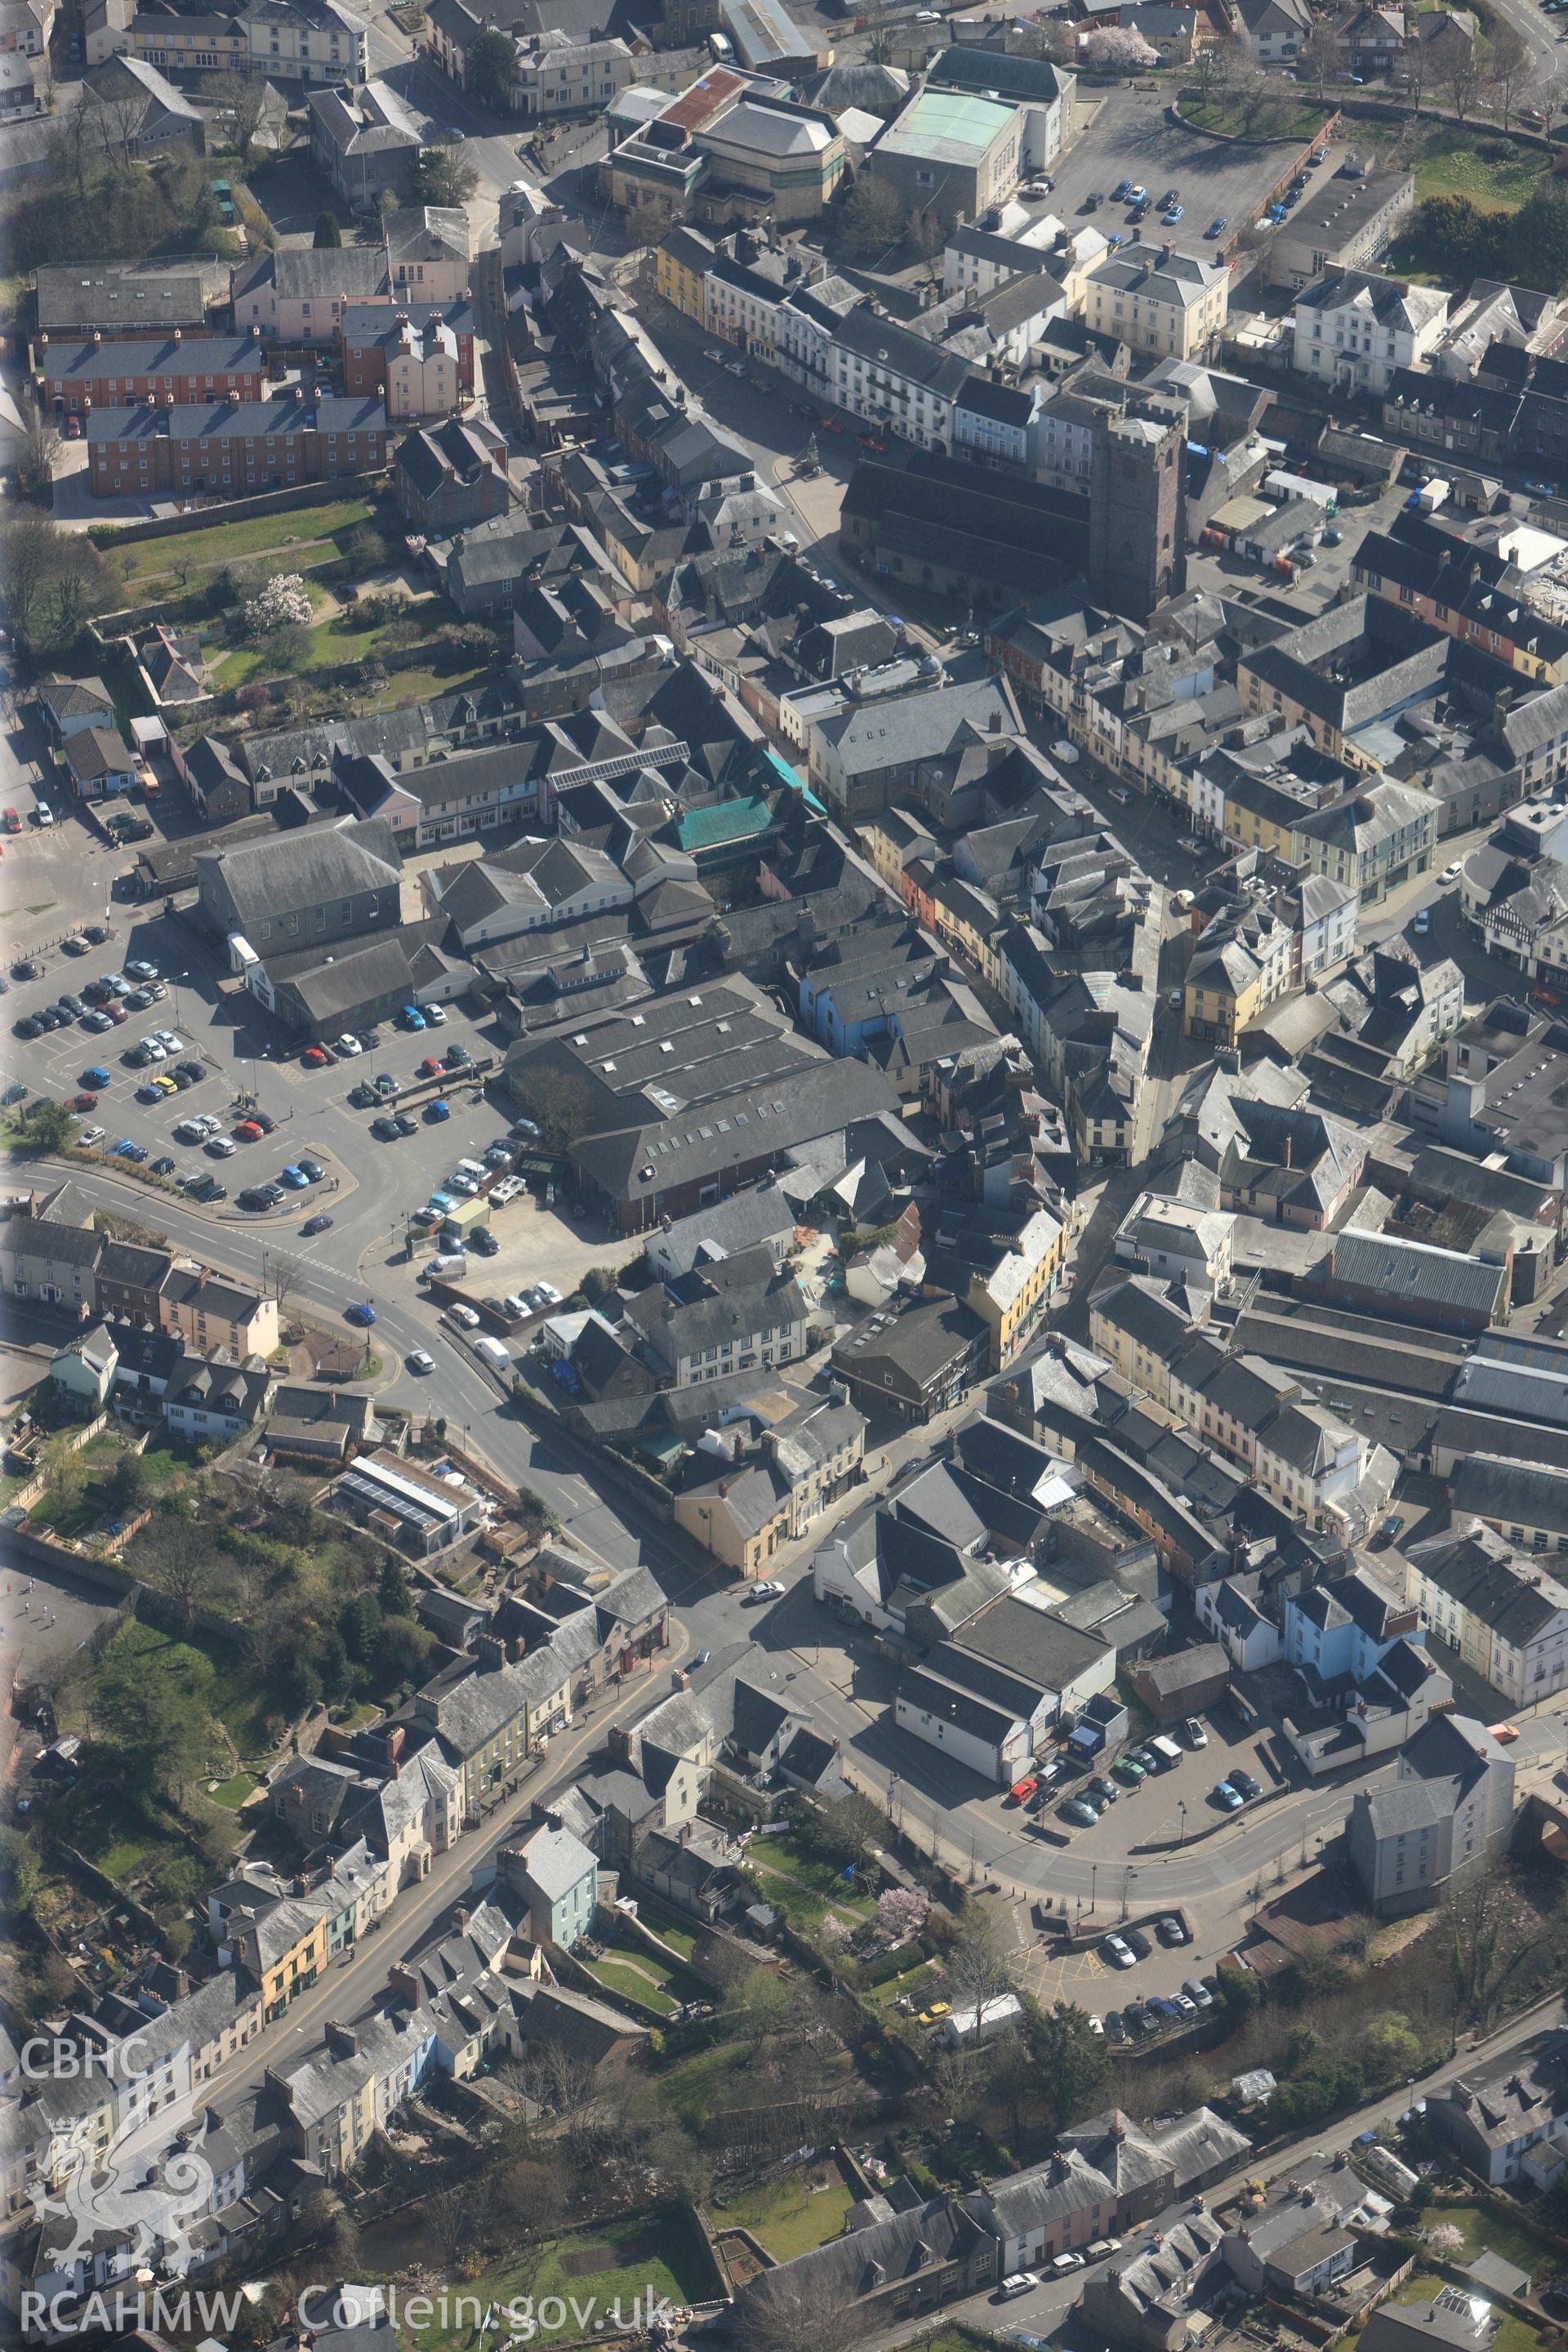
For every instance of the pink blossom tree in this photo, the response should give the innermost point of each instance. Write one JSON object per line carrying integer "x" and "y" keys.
{"x": 1117, "y": 50}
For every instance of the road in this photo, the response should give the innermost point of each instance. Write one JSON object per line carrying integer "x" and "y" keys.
{"x": 1041, "y": 2312}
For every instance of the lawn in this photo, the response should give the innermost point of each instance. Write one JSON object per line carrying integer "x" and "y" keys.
{"x": 1480, "y": 163}
{"x": 691, "y": 2086}
{"x": 667, "y": 1925}
{"x": 341, "y": 637}
{"x": 418, "y": 685}
{"x": 240, "y": 1700}
{"x": 1272, "y": 116}
{"x": 798, "y": 1883}
{"x": 795, "y": 2213}
{"x": 921, "y": 1982}
{"x": 232, "y": 1793}
{"x": 309, "y": 537}
{"x": 1486, "y": 2233}
{"x": 616, "y": 2263}
{"x": 1513, "y": 2335}
{"x": 641, "y": 1976}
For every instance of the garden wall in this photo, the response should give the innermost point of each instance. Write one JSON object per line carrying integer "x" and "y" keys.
{"x": 107, "y": 535}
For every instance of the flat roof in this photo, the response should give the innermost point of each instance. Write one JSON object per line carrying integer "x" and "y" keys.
{"x": 947, "y": 126}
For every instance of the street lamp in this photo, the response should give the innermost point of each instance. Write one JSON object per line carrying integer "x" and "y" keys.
{"x": 1128, "y": 1874}
{"x": 1093, "y": 1876}
{"x": 1182, "y": 1809}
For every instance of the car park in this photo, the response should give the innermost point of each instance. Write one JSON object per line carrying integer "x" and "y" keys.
{"x": 1216, "y": 226}
{"x": 221, "y": 1146}
{"x": 1128, "y": 1768}
{"x": 1078, "y": 1811}
{"x": 1243, "y": 1783}
{"x": 347, "y": 1044}
{"x": 1172, "y": 1931}
{"x": 315, "y": 1057}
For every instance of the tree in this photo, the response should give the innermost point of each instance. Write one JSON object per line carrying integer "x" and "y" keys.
{"x": 1071, "y": 2066}
{"x": 283, "y": 603}
{"x": 127, "y": 1484}
{"x": 360, "y": 1626}
{"x": 1493, "y": 1936}
{"x": 1206, "y": 70}
{"x": 450, "y": 2214}
{"x": 284, "y": 1274}
{"x": 328, "y": 233}
{"x": 1320, "y": 50}
{"x": 1388, "y": 2047}
{"x": 241, "y": 98}
{"x": 391, "y": 1590}
{"x": 49, "y": 1127}
{"x": 976, "y": 1968}
{"x": 901, "y": 1911}
{"x": 1444, "y": 2240}
{"x": 756, "y": 2005}
{"x": 1459, "y": 236}
{"x": 178, "y": 1561}
{"x": 40, "y": 454}
{"x": 440, "y": 176}
{"x": 872, "y": 220}
{"x": 63, "y": 1471}
{"x": 783, "y": 2311}
{"x": 490, "y": 71}
{"x": 881, "y": 29}
{"x": 27, "y": 561}
{"x": 1537, "y": 238}
{"x": 1459, "y": 67}
{"x": 1509, "y": 66}
{"x": 849, "y": 1830}
{"x": 18, "y": 1872}
{"x": 1120, "y": 48}
{"x": 645, "y": 224}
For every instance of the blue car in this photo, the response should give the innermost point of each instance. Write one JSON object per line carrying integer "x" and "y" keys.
{"x": 411, "y": 1017}
{"x": 1216, "y": 227}
{"x": 1176, "y": 213}
{"x": 364, "y": 1313}
{"x": 295, "y": 1178}
{"x": 149, "y": 1094}
{"x": 1123, "y": 189}
{"x": 1227, "y": 1799}
{"x": 315, "y": 1225}
{"x": 436, "y": 1111}
{"x": 96, "y": 1079}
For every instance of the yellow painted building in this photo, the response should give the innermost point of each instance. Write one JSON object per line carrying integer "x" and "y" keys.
{"x": 680, "y": 271}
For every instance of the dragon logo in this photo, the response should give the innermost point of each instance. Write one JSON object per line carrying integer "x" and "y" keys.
{"x": 139, "y": 2194}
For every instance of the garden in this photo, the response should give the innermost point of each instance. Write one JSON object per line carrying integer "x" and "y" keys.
{"x": 796, "y": 2210}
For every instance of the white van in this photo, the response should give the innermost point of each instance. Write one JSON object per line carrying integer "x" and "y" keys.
{"x": 474, "y": 1169}
{"x": 1166, "y": 1750}
{"x": 450, "y": 1262}
{"x": 494, "y": 1352}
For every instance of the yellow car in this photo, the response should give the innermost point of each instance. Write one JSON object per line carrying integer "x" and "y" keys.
{"x": 165, "y": 1085}
{"x": 938, "y": 2009}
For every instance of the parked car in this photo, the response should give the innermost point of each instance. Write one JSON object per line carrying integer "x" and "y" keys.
{"x": 1172, "y": 1931}
{"x": 1114, "y": 2029}
{"x": 1227, "y": 1799}
{"x": 1216, "y": 227}
{"x": 1137, "y": 1944}
{"x": 1243, "y": 1783}
{"x": 1103, "y": 1791}
{"x": 1078, "y": 1811}
{"x": 1197, "y": 1737}
{"x": 1118, "y": 1951}
{"x": 1128, "y": 1768}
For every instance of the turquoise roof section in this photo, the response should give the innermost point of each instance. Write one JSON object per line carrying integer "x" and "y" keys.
{"x": 725, "y": 821}
{"x": 796, "y": 783}
{"x": 947, "y": 124}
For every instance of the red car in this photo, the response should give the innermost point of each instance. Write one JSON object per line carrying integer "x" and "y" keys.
{"x": 84, "y": 1102}
{"x": 1021, "y": 1791}
{"x": 429, "y": 1067}
{"x": 872, "y": 441}
{"x": 314, "y": 1058}
{"x": 13, "y": 823}
{"x": 248, "y": 1130}
{"x": 118, "y": 1014}
{"x": 831, "y": 425}
{"x": 73, "y": 428}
